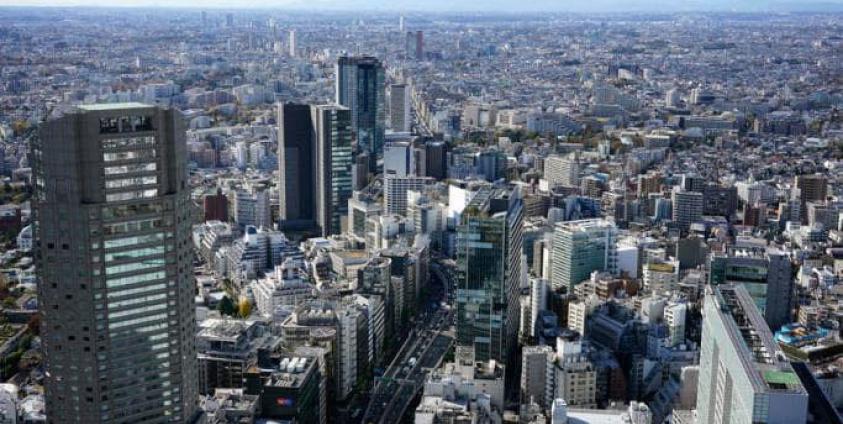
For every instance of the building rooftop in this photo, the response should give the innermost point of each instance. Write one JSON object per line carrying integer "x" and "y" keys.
{"x": 761, "y": 357}
{"x": 114, "y": 106}
{"x": 585, "y": 225}
{"x": 292, "y": 373}
{"x": 224, "y": 329}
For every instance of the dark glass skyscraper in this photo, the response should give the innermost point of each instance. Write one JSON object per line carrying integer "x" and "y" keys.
{"x": 489, "y": 239}
{"x": 296, "y": 157}
{"x": 114, "y": 259}
{"x": 361, "y": 88}
{"x": 333, "y": 166}
{"x": 315, "y": 159}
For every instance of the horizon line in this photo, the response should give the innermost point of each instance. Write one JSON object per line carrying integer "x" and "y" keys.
{"x": 780, "y": 8}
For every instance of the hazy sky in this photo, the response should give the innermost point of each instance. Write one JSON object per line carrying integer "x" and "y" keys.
{"x": 464, "y": 5}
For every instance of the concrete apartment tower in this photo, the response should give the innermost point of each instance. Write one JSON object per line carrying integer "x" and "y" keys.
{"x": 114, "y": 261}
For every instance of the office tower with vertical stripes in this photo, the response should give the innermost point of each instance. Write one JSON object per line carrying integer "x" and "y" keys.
{"x": 115, "y": 265}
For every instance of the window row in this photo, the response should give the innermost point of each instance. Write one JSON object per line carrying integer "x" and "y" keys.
{"x": 131, "y": 195}
{"x": 133, "y": 226}
{"x": 132, "y": 168}
{"x": 120, "y": 292}
{"x": 129, "y": 182}
{"x": 139, "y": 320}
{"x": 125, "y": 124}
{"x": 135, "y": 253}
{"x": 135, "y": 266}
{"x": 118, "y": 143}
{"x": 125, "y": 211}
{"x": 135, "y": 311}
{"x": 133, "y": 240}
{"x": 130, "y": 155}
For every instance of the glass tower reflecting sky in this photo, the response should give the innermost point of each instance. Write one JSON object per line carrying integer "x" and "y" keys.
{"x": 489, "y": 239}
{"x": 361, "y": 88}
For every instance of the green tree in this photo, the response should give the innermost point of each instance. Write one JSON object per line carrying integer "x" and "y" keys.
{"x": 9, "y": 303}
{"x": 227, "y": 307}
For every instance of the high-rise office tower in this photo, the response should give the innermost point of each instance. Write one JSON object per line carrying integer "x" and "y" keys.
{"x": 687, "y": 208}
{"x": 419, "y": 45}
{"x": 400, "y": 118}
{"x": 361, "y": 87}
{"x": 580, "y": 248}
{"x": 696, "y": 96}
{"x": 332, "y": 125}
{"x": 766, "y": 273}
{"x": 314, "y": 154}
{"x": 489, "y": 239}
{"x": 292, "y": 43}
{"x": 675, "y": 314}
{"x": 401, "y": 23}
{"x": 409, "y": 44}
{"x": 296, "y": 158}
{"x": 744, "y": 376}
{"x": 114, "y": 260}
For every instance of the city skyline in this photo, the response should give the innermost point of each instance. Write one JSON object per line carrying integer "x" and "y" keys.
{"x": 373, "y": 212}
{"x": 443, "y": 6}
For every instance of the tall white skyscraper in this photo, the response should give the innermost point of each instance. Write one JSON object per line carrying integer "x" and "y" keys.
{"x": 292, "y": 43}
